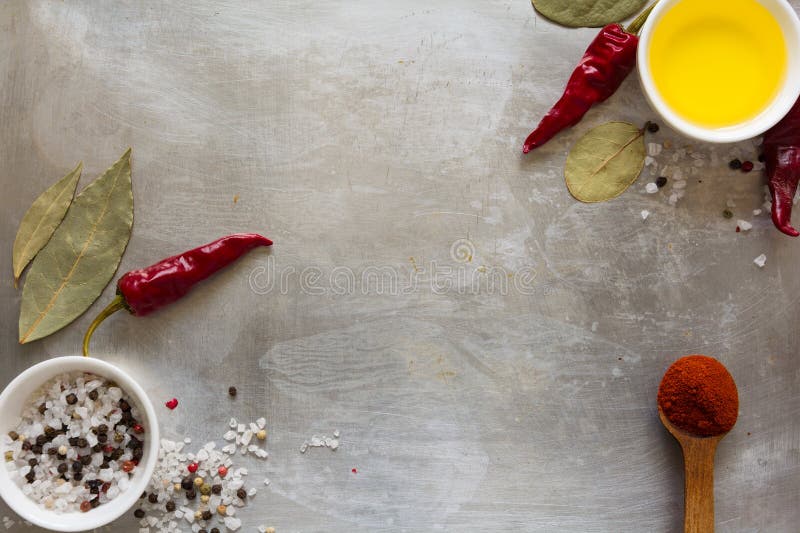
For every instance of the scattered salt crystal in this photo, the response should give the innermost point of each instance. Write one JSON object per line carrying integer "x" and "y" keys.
{"x": 232, "y": 523}
{"x": 266, "y": 481}
{"x": 649, "y": 161}
{"x": 252, "y": 492}
{"x": 673, "y": 199}
{"x": 336, "y": 433}
{"x": 761, "y": 260}
{"x": 756, "y": 212}
{"x": 653, "y": 149}
{"x": 232, "y": 423}
{"x": 651, "y": 187}
{"x": 261, "y": 422}
{"x": 681, "y": 184}
{"x": 247, "y": 437}
{"x": 744, "y": 225}
{"x": 240, "y": 428}
{"x": 730, "y": 203}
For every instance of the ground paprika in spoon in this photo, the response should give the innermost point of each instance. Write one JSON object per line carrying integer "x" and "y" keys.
{"x": 698, "y": 395}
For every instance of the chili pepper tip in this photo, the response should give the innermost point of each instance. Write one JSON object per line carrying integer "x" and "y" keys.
{"x": 116, "y": 304}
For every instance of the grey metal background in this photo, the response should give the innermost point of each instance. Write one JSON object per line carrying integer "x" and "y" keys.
{"x": 375, "y": 135}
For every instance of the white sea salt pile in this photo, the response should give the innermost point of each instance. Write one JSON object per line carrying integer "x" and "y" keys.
{"x": 202, "y": 489}
{"x": 322, "y": 442}
{"x": 76, "y": 443}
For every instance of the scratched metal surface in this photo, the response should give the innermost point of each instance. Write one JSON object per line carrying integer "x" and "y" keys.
{"x": 378, "y": 144}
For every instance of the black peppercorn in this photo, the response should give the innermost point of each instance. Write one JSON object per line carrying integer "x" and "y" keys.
{"x": 241, "y": 494}
{"x": 170, "y": 506}
{"x": 202, "y": 530}
{"x": 26, "y": 446}
{"x": 97, "y": 448}
{"x": 144, "y": 495}
{"x": 652, "y": 127}
{"x": 82, "y": 443}
{"x": 52, "y": 450}
{"x": 102, "y": 438}
{"x": 138, "y": 453}
{"x": 735, "y": 164}
{"x": 93, "y": 394}
{"x": 30, "y": 476}
{"x": 232, "y": 391}
{"x": 191, "y": 494}
{"x": 761, "y": 157}
{"x": 117, "y": 453}
{"x": 13, "y": 435}
{"x": 77, "y": 476}
{"x": 86, "y": 460}
{"x": 104, "y": 465}
{"x": 73, "y": 441}
{"x": 139, "y": 513}
{"x": 41, "y": 440}
{"x": 71, "y": 399}
{"x": 62, "y": 468}
{"x": 95, "y": 503}
{"x": 33, "y": 461}
{"x": 77, "y": 466}
{"x": 661, "y": 181}
{"x": 214, "y": 530}
{"x": 124, "y": 405}
{"x": 187, "y": 483}
{"x": 36, "y": 449}
{"x": 50, "y": 431}
{"x": 216, "y": 489}
{"x": 153, "y": 497}
{"x": 102, "y": 428}
{"x": 42, "y": 409}
{"x": 207, "y": 515}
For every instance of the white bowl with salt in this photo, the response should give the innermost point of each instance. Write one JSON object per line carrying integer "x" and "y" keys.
{"x": 17, "y": 397}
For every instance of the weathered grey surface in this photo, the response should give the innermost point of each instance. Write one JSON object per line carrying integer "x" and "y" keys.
{"x": 364, "y": 135}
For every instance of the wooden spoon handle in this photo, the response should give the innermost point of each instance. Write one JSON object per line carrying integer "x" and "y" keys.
{"x": 698, "y": 456}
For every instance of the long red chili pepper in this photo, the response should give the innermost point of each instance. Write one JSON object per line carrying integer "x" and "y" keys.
{"x": 782, "y": 161}
{"x": 143, "y": 291}
{"x": 605, "y": 65}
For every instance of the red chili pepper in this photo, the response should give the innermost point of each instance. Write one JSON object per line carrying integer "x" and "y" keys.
{"x": 143, "y": 291}
{"x": 605, "y": 65}
{"x": 782, "y": 161}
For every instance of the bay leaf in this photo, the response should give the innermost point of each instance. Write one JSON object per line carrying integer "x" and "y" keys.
{"x": 42, "y": 219}
{"x": 79, "y": 260}
{"x": 605, "y": 162}
{"x": 587, "y": 13}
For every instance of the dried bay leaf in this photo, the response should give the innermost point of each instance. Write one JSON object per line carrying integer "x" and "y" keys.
{"x": 605, "y": 162}
{"x": 587, "y": 13}
{"x": 42, "y": 219}
{"x": 79, "y": 260}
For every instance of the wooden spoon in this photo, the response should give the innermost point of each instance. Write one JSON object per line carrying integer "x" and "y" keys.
{"x": 698, "y": 461}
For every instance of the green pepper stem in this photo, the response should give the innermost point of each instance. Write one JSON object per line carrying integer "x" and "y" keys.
{"x": 639, "y": 21}
{"x": 116, "y": 304}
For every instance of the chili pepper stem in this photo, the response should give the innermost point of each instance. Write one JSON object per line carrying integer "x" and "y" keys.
{"x": 116, "y": 304}
{"x": 639, "y": 21}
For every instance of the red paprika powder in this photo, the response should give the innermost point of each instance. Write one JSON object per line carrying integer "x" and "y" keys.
{"x": 699, "y": 396}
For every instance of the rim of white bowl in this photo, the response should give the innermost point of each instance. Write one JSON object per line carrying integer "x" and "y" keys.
{"x": 25, "y": 384}
{"x": 790, "y": 24}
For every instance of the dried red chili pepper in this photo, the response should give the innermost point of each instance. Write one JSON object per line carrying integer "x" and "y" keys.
{"x": 605, "y": 65}
{"x": 782, "y": 161}
{"x": 143, "y": 291}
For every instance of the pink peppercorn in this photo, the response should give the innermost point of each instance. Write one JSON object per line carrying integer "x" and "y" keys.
{"x": 86, "y": 506}
{"x": 128, "y": 466}
{"x": 172, "y": 404}
{"x": 138, "y": 428}
{"x": 192, "y": 467}
{"x": 222, "y": 471}
{"x": 747, "y": 166}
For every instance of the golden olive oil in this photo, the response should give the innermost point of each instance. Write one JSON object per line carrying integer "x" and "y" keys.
{"x": 718, "y": 63}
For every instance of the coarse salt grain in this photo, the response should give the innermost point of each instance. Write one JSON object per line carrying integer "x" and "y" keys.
{"x": 645, "y": 213}
{"x": 744, "y": 225}
{"x": 651, "y": 188}
{"x": 761, "y": 260}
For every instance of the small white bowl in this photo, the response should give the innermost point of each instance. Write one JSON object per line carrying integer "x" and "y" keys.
{"x": 12, "y": 402}
{"x": 787, "y": 19}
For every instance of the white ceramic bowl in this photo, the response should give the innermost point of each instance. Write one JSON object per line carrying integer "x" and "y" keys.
{"x": 12, "y": 400}
{"x": 787, "y": 19}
